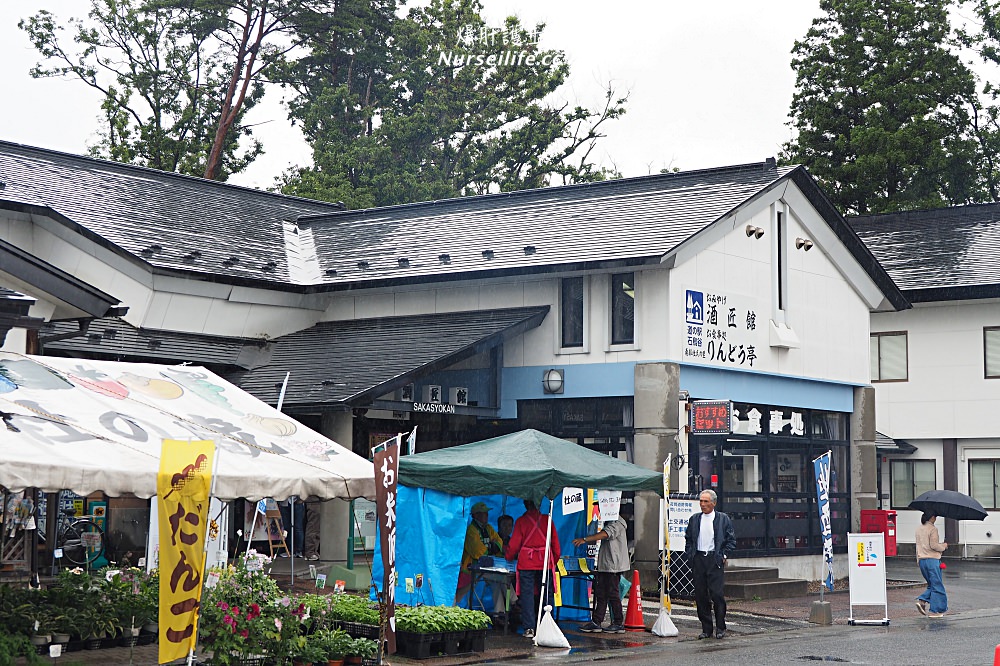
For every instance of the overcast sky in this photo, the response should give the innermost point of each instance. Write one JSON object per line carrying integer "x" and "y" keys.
{"x": 709, "y": 81}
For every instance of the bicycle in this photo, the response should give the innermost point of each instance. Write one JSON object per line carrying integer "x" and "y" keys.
{"x": 79, "y": 541}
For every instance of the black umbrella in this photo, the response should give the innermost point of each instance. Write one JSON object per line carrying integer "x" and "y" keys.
{"x": 949, "y": 504}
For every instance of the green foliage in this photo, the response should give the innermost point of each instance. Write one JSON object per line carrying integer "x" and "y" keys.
{"x": 437, "y": 619}
{"x": 336, "y": 642}
{"x": 176, "y": 77}
{"x": 246, "y": 613}
{"x": 401, "y": 109}
{"x": 307, "y": 649}
{"x": 365, "y": 648}
{"x": 884, "y": 107}
{"x": 15, "y": 646}
{"x": 352, "y": 608}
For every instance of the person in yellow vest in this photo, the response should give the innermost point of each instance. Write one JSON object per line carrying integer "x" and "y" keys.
{"x": 480, "y": 540}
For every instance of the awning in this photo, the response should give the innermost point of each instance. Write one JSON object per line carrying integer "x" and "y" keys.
{"x": 353, "y": 362}
{"x": 91, "y": 426}
{"x": 886, "y": 444}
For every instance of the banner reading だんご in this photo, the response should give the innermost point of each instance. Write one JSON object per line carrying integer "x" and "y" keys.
{"x": 184, "y": 487}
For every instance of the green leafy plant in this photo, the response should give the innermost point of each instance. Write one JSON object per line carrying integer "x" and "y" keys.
{"x": 307, "y": 649}
{"x": 336, "y": 642}
{"x": 351, "y": 608}
{"x": 365, "y": 648}
{"x": 14, "y": 647}
{"x": 437, "y": 619}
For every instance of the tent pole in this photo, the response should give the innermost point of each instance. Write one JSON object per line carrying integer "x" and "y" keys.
{"x": 545, "y": 568}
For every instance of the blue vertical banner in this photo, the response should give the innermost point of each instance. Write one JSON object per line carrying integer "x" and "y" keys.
{"x": 821, "y": 466}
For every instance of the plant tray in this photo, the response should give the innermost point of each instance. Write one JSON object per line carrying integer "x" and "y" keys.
{"x": 419, "y": 646}
{"x": 475, "y": 641}
{"x": 358, "y": 630}
{"x": 146, "y": 639}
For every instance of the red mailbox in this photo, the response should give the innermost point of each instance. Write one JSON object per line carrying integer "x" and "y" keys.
{"x": 876, "y": 520}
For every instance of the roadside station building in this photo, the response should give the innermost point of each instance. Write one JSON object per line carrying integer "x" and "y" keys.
{"x": 597, "y": 313}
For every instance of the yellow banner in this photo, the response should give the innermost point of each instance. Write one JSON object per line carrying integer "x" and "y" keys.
{"x": 183, "y": 487}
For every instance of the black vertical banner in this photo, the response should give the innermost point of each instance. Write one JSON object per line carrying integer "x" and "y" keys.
{"x": 386, "y": 459}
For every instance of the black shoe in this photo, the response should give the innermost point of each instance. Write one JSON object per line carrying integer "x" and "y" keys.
{"x": 704, "y": 635}
{"x": 720, "y": 633}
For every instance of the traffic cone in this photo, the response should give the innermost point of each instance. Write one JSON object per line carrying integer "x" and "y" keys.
{"x": 633, "y": 618}
{"x": 996, "y": 656}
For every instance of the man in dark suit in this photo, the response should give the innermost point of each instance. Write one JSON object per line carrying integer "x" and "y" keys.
{"x": 708, "y": 541}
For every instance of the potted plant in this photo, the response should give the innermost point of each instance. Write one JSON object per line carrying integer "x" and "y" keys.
{"x": 307, "y": 650}
{"x": 360, "y": 649}
{"x": 64, "y": 625}
{"x": 336, "y": 644}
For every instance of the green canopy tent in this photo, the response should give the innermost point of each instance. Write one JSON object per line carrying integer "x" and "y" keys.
{"x": 439, "y": 487}
{"x": 527, "y": 464}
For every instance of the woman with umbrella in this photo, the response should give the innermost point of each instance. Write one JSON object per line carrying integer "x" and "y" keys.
{"x": 934, "y": 601}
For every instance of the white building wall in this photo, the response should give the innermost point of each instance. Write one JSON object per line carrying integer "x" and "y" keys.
{"x": 826, "y": 314}
{"x": 946, "y": 396}
{"x": 946, "y": 372}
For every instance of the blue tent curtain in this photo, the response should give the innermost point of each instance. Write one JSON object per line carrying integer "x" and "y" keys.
{"x": 430, "y": 535}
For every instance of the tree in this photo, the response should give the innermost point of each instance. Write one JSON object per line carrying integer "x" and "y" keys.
{"x": 443, "y": 106}
{"x": 177, "y": 76}
{"x": 884, "y": 108}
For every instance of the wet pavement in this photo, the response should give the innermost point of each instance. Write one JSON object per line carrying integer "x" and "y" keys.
{"x": 973, "y": 588}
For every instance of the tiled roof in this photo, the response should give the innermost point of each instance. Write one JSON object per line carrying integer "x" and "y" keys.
{"x": 624, "y": 220}
{"x": 942, "y": 254}
{"x": 355, "y": 361}
{"x": 231, "y": 234}
{"x": 115, "y": 339}
{"x": 169, "y": 220}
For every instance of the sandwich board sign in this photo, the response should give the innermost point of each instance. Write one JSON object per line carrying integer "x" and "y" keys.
{"x": 866, "y": 573}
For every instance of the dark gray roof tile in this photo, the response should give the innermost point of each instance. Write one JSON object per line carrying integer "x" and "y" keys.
{"x": 114, "y": 338}
{"x": 940, "y": 254}
{"x": 355, "y": 361}
{"x": 169, "y": 220}
{"x": 619, "y": 220}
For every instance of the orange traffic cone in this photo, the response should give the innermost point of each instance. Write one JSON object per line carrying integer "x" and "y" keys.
{"x": 633, "y": 617}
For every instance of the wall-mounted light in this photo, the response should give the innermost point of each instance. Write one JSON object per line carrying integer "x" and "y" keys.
{"x": 803, "y": 244}
{"x": 553, "y": 380}
{"x": 753, "y": 231}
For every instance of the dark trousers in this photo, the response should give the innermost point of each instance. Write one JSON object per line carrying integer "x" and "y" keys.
{"x": 709, "y": 582}
{"x": 530, "y": 595}
{"x": 608, "y": 594}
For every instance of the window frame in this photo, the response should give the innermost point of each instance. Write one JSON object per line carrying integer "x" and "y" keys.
{"x": 878, "y": 335}
{"x": 994, "y": 505}
{"x": 986, "y": 370}
{"x": 613, "y": 310}
{"x": 584, "y": 346}
{"x": 910, "y": 464}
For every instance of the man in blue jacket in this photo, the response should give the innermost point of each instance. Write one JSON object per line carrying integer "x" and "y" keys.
{"x": 708, "y": 541}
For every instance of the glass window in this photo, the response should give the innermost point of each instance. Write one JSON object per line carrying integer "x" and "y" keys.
{"x": 571, "y": 302}
{"x": 829, "y": 425}
{"x": 888, "y": 357}
{"x": 991, "y": 346}
{"x": 910, "y": 478}
{"x": 984, "y": 476}
{"x": 623, "y": 308}
{"x": 788, "y": 472}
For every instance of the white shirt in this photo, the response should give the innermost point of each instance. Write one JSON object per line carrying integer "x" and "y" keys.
{"x": 706, "y": 535}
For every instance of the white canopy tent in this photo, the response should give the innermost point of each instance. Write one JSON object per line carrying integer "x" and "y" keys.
{"x": 91, "y": 426}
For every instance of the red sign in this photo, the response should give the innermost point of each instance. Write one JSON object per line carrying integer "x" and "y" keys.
{"x": 711, "y": 417}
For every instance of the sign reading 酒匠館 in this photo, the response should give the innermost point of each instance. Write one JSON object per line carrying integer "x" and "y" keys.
{"x": 723, "y": 329}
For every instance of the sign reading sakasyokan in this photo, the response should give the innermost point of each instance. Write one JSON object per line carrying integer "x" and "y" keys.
{"x": 711, "y": 417}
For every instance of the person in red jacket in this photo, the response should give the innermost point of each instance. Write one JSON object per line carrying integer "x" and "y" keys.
{"x": 527, "y": 546}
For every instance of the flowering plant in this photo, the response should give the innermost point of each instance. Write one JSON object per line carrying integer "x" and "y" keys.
{"x": 245, "y": 613}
